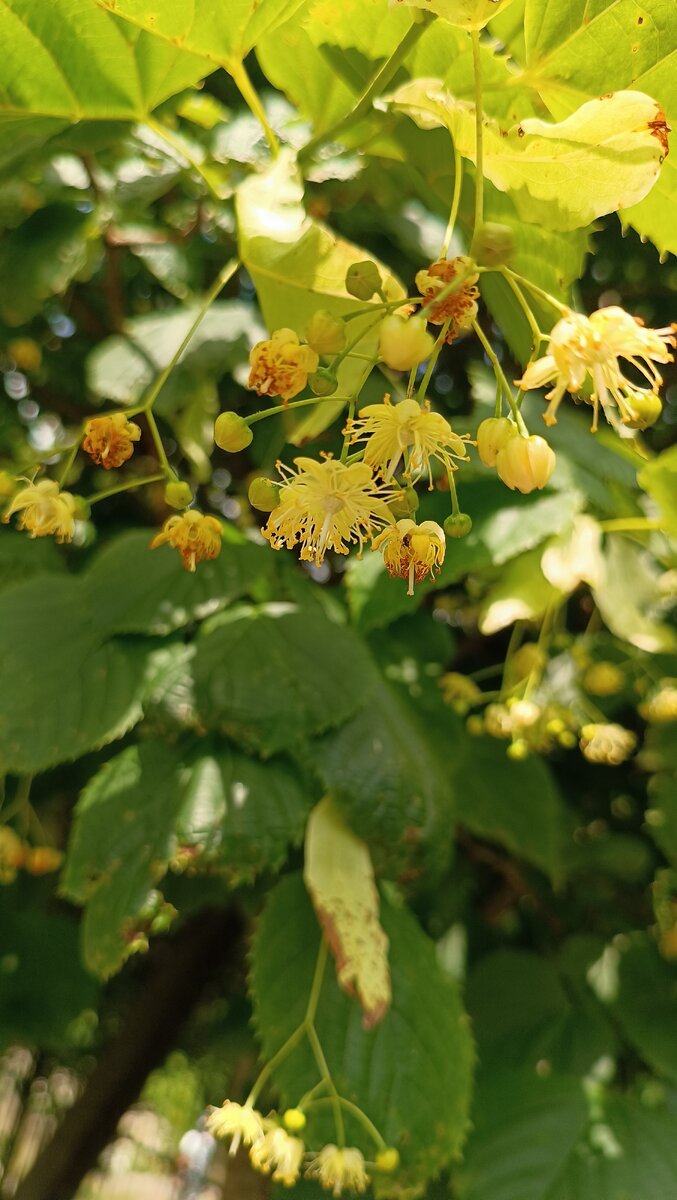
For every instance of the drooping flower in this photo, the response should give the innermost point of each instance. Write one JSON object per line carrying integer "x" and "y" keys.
{"x": 460, "y": 305}
{"x": 109, "y": 441}
{"x": 611, "y": 744}
{"x": 412, "y": 551}
{"x": 193, "y": 534}
{"x": 278, "y": 1153}
{"x": 492, "y": 436}
{"x": 339, "y": 1170}
{"x": 44, "y": 510}
{"x": 525, "y": 464}
{"x": 241, "y": 1122}
{"x": 585, "y": 350}
{"x": 404, "y": 343}
{"x": 326, "y": 505}
{"x": 391, "y": 431}
{"x": 280, "y": 365}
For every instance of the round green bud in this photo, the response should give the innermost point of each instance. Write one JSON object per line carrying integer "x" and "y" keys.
{"x": 178, "y": 494}
{"x": 518, "y": 750}
{"x": 231, "y": 432}
{"x": 363, "y": 279}
{"x": 323, "y": 382}
{"x": 492, "y": 245}
{"x": 294, "y": 1119}
{"x": 263, "y": 494}
{"x": 646, "y": 409}
{"x": 458, "y": 525}
{"x": 387, "y": 1160}
{"x": 82, "y": 510}
{"x": 475, "y": 726}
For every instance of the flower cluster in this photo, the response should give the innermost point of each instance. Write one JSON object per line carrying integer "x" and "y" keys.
{"x": 406, "y": 431}
{"x": 583, "y": 357}
{"x": 16, "y": 854}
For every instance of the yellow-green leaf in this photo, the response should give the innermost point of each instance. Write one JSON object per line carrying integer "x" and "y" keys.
{"x": 468, "y": 14}
{"x": 605, "y": 156}
{"x": 340, "y": 879}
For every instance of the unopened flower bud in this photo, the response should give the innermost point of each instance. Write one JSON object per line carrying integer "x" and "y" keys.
{"x": 294, "y": 1119}
{"x": 405, "y": 503}
{"x": 387, "y": 1160}
{"x": 603, "y": 679}
{"x": 404, "y": 343}
{"x": 458, "y": 525}
{"x": 492, "y": 245}
{"x": 518, "y": 750}
{"x": 525, "y": 464}
{"x": 178, "y": 494}
{"x": 231, "y": 432}
{"x": 263, "y": 494}
{"x": 323, "y": 382}
{"x": 644, "y": 409}
{"x": 363, "y": 279}
{"x": 42, "y": 860}
{"x": 492, "y": 435}
{"x": 325, "y": 333}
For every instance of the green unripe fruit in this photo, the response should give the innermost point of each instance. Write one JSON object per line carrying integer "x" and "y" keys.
{"x": 178, "y": 494}
{"x": 458, "y": 525}
{"x": 646, "y": 409}
{"x": 363, "y": 279}
{"x": 492, "y": 245}
{"x": 323, "y": 382}
{"x": 387, "y": 1160}
{"x": 231, "y": 432}
{"x": 294, "y": 1119}
{"x": 405, "y": 503}
{"x": 263, "y": 494}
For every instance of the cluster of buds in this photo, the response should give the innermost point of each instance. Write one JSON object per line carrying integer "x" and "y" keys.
{"x": 17, "y": 854}
{"x": 523, "y": 463}
{"x": 275, "y": 1149}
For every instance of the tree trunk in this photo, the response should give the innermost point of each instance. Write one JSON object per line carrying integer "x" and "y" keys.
{"x": 181, "y": 968}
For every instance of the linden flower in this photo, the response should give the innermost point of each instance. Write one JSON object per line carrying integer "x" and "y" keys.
{"x": 412, "y": 551}
{"x": 276, "y": 1151}
{"x": 390, "y": 431}
{"x": 12, "y": 854}
{"x": 240, "y": 1122}
{"x": 610, "y": 744}
{"x": 662, "y": 706}
{"x": 325, "y": 505}
{"x": 586, "y": 349}
{"x": 193, "y": 535}
{"x": 339, "y": 1170}
{"x": 109, "y": 441}
{"x": 44, "y": 510}
{"x": 280, "y": 366}
{"x": 460, "y": 306}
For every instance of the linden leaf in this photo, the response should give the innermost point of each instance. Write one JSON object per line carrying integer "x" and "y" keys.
{"x": 340, "y": 879}
{"x": 607, "y": 155}
{"x": 575, "y": 556}
{"x": 468, "y": 14}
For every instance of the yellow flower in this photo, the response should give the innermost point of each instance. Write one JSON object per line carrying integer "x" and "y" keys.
{"x": 460, "y": 306}
{"x": 325, "y": 505}
{"x": 412, "y": 551}
{"x": 193, "y": 535}
{"x": 404, "y": 343}
{"x": 662, "y": 706}
{"x": 109, "y": 441}
{"x": 459, "y": 691}
{"x": 603, "y": 679}
{"x": 41, "y": 860}
{"x": 525, "y": 463}
{"x": 610, "y": 744}
{"x": 240, "y": 1122}
{"x": 390, "y": 431}
{"x": 280, "y": 366}
{"x": 587, "y": 349}
{"x": 276, "y": 1151}
{"x": 339, "y": 1170}
{"x": 492, "y": 435}
{"x": 12, "y": 854}
{"x": 44, "y": 510}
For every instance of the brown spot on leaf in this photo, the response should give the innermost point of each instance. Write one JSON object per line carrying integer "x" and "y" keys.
{"x": 520, "y": 131}
{"x": 640, "y": 20}
{"x": 660, "y": 129}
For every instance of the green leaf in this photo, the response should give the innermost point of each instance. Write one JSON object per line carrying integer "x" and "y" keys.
{"x": 605, "y": 155}
{"x": 133, "y": 589}
{"x": 113, "y": 73}
{"x": 392, "y": 782}
{"x": 513, "y": 803}
{"x": 524, "y": 1128}
{"x": 411, "y": 1074}
{"x": 122, "y": 367}
{"x": 467, "y": 14}
{"x": 72, "y": 690}
{"x": 524, "y": 1015}
{"x": 574, "y": 53}
{"x": 646, "y": 1002}
{"x": 40, "y": 259}
{"x": 521, "y": 593}
{"x": 222, "y": 34}
{"x": 636, "y": 1156}
{"x": 22, "y": 557}
{"x": 659, "y": 478}
{"x": 206, "y": 801}
{"x": 272, "y": 676}
{"x": 629, "y": 597}
{"x": 297, "y": 266}
{"x": 43, "y": 985}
